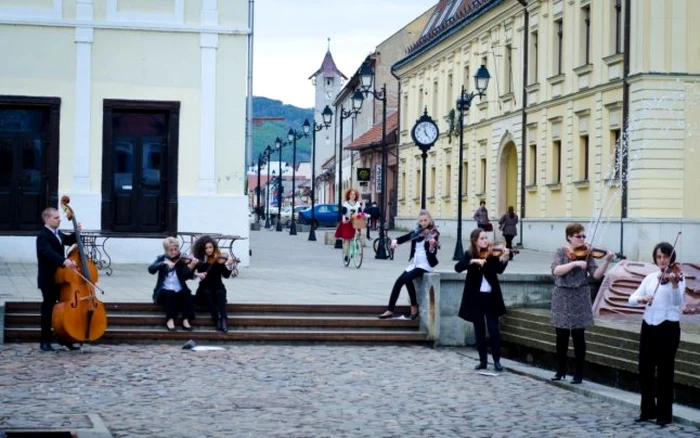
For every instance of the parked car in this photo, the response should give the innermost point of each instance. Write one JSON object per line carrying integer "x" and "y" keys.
{"x": 325, "y": 215}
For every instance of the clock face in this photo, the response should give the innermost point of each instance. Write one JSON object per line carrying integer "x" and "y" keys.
{"x": 426, "y": 133}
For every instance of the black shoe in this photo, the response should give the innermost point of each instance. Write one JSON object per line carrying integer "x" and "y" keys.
{"x": 558, "y": 376}
{"x": 413, "y": 316}
{"x": 68, "y": 345}
{"x": 386, "y": 316}
{"x": 497, "y": 366}
{"x": 223, "y": 325}
{"x": 577, "y": 380}
{"x": 46, "y": 346}
{"x": 481, "y": 366}
{"x": 662, "y": 423}
{"x": 189, "y": 329}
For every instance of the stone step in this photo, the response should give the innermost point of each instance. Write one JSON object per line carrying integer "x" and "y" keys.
{"x": 151, "y": 335}
{"x": 681, "y": 377}
{"x": 606, "y": 348}
{"x": 546, "y": 331}
{"x": 236, "y": 321}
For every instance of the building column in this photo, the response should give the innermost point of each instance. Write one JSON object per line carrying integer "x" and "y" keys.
{"x": 209, "y": 43}
{"x": 83, "y": 93}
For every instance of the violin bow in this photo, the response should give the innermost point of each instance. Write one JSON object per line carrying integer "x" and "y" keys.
{"x": 88, "y": 281}
{"x": 673, "y": 251}
{"x": 595, "y": 229}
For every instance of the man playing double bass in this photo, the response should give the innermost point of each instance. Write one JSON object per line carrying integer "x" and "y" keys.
{"x": 50, "y": 256}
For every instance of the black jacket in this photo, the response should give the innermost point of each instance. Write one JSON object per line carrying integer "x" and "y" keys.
{"x": 215, "y": 272}
{"x": 50, "y": 255}
{"x": 472, "y": 286}
{"x": 432, "y": 256}
{"x": 183, "y": 272}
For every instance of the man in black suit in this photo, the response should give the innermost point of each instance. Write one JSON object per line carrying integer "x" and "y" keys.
{"x": 51, "y": 257}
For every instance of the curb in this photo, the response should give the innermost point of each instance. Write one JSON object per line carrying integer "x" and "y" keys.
{"x": 682, "y": 415}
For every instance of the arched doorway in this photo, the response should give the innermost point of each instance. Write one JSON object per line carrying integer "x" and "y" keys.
{"x": 508, "y": 178}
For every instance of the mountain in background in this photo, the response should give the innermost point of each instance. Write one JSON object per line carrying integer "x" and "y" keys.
{"x": 265, "y": 132}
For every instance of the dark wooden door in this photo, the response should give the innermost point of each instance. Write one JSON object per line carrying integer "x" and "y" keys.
{"x": 139, "y": 172}
{"x": 23, "y": 168}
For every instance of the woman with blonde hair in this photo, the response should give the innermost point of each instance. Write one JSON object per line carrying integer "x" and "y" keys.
{"x": 345, "y": 229}
{"x": 422, "y": 259}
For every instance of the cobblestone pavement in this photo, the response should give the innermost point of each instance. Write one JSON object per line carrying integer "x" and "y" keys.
{"x": 255, "y": 390}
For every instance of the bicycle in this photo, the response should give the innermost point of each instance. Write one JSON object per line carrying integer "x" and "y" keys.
{"x": 387, "y": 244}
{"x": 355, "y": 251}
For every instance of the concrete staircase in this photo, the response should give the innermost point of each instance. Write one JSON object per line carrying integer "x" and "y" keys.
{"x": 611, "y": 351}
{"x": 145, "y": 322}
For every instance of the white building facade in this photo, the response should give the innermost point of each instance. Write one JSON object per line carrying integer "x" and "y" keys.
{"x": 135, "y": 109}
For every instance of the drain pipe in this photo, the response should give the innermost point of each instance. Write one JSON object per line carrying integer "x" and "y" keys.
{"x": 625, "y": 122}
{"x": 395, "y": 200}
{"x": 523, "y": 129}
{"x": 249, "y": 103}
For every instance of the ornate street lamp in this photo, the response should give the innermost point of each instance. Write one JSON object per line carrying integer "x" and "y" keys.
{"x": 327, "y": 116}
{"x": 357, "y": 99}
{"x": 293, "y": 136}
{"x": 278, "y": 146}
{"x": 464, "y": 102}
{"x": 366, "y": 79}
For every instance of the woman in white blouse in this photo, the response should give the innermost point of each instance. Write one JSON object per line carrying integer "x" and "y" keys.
{"x": 662, "y": 293}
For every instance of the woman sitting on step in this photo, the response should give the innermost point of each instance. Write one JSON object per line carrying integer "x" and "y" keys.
{"x": 171, "y": 288}
{"x": 423, "y": 258}
{"x": 211, "y": 270}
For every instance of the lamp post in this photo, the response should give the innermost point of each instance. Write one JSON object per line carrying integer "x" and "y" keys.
{"x": 267, "y": 196}
{"x": 327, "y": 116}
{"x": 357, "y": 99}
{"x": 278, "y": 146}
{"x": 293, "y": 136}
{"x": 257, "y": 188}
{"x": 366, "y": 79}
{"x": 464, "y": 102}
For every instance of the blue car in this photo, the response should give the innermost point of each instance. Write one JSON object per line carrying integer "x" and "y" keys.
{"x": 325, "y": 215}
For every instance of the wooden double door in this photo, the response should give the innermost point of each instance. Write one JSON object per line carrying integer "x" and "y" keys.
{"x": 28, "y": 161}
{"x": 140, "y": 168}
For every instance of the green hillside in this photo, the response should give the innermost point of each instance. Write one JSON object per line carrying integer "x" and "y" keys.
{"x": 266, "y": 132}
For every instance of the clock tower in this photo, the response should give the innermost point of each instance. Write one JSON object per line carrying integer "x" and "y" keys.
{"x": 328, "y": 81}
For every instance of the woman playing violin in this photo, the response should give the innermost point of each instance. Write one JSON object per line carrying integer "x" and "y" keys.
{"x": 571, "y": 299}
{"x": 662, "y": 292}
{"x": 422, "y": 259}
{"x": 171, "y": 287}
{"x": 482, "y": 298}
{"x": 211, "y": 270}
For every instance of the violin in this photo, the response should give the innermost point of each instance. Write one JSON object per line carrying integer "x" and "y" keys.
{"x": 585, "y": 251}
{"x": 180, "y": 259}
{"x": 428, "y": 233}
{"x": 218, "y": 256}
{"x": 495, "y": 250}
{"x": 673, "y": 268}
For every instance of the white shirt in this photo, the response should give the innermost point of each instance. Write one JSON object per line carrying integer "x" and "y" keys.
{"x": 485, "y": 285}
{"x": 172, "y": 282}
{"x": 667, "y": 304}
{"x": 420, "y": 259}
{"x": 351, "y": 209}
{"x": 55, "y": 233}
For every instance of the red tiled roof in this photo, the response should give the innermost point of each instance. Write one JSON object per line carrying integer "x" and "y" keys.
{"x": 373, "y": 137}
{"x": 328, "y": 67}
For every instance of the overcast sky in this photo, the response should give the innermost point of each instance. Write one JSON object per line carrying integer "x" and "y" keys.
{"x": 291, "y": 40}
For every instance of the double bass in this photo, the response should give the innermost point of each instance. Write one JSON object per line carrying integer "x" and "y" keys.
{"x": 79, "y": 316}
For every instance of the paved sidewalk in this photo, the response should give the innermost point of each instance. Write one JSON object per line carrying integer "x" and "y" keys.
{"x": 283, "y": 269}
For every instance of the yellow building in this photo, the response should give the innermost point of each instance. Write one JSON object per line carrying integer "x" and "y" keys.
{"x": 567, "y": 156}
{"x": 134, "y": 108}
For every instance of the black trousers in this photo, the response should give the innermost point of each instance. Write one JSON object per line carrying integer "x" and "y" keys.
{"x": 176, "y": 302}
{"x": 405, "y": 279}
{"x": 484, "y": 312}
{"x": 50, "y": 296}
{"x": 509, "y": 243}
{"x": 215, "y": 301}
{"x": 579, "y": 350}
{"x": 657, "y": 355}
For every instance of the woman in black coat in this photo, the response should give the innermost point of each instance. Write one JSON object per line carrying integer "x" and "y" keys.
{"x": 423, "y": 258}
{"x": 482, "y": 297}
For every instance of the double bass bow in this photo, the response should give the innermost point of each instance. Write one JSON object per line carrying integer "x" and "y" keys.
{"x": 79, "y": 316}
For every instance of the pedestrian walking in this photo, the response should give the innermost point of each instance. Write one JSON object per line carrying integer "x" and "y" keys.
{"x": 662, "y": 293}
{"x": 345, "y": 229}
{"x": 482, "y": 298}
{"x": 422, "y": 259}
{"x": 507, "y": 225}
{"x": 481, "y": 216}
{"x": 571, "y": 299}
